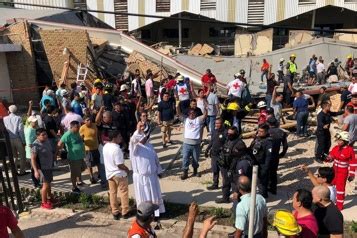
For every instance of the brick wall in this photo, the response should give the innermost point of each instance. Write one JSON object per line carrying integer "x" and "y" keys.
{"x": 54, "y": 42}
{"x": 21, "y": 65}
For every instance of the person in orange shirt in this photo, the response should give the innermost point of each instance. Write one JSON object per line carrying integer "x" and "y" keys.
{"x": 264, "y": 69}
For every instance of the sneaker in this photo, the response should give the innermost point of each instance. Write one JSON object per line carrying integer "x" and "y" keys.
{"x": 76, "y": 190}
{"x": 212, "y": 187}
{"x": 126, "y": 216}
{"x": 47, "y": 205}
{"x": 93, "y": 181}
{"x": 81, "y": 183}
{"x": 222, "y": 200}
{"x": 116, "y": 216}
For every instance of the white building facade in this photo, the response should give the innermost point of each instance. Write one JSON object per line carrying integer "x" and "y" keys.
{"x": 242, "y": 11}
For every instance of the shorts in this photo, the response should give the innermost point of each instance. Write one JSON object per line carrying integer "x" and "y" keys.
{"x": 46, "y": 175}
{"x": 166, "y": 125}
{"x": 92, "y": 158}
{"x": 76, "y": 167}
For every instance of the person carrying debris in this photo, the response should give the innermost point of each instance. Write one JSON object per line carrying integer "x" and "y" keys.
{"x": 344, "y": 164}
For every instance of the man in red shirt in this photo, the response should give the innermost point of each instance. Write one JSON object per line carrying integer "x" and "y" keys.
{"x": 208, "y": 79}
{"x": 353, "y": 103}
{"x": 8, "y": 220}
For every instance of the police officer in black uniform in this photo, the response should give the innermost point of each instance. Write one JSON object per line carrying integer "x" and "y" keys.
{"x": 214, "y": 148}
{"x": 279, "y": 138}
{"x": 261, "y": 148}
{"x": 232, "y": 163}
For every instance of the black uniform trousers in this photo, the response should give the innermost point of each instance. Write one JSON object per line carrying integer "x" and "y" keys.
{"x": 323, "y": 144}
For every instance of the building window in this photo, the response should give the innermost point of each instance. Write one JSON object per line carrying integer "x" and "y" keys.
{"x": 173, "y": 33}
{"x": 223, "y": 32}
{"x": 304, "y": 2}
{"x": 162, "y": 5}
{"x": 208, "y": 4}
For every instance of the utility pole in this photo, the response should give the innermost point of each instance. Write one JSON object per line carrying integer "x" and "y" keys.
{"x": 180, "y": 31}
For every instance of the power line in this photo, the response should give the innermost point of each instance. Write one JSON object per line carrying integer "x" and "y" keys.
{"x": 237, "y": 24}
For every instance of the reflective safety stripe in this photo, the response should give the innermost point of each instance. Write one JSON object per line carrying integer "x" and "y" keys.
{"x": 340, "y": 200}
{"x": 340, "y": 192}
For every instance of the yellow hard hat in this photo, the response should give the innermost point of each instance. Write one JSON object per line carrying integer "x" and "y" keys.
{"x": 97, "y": 81}
{"x": 292, "y": 56}
{"x": 233, "y": 106}
{"x": 349, "y": 56}
{"x": 284, "y": 222}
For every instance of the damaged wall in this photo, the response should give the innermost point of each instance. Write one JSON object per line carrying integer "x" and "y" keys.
{"x": 54, "y": 42}
{"x": 299, "y": 37}
{"x": 253, "y": 44}
{"x": 352, "y": 38}
{"x": 21, "y": 65}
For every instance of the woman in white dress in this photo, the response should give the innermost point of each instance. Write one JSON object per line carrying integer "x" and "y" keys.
{"x": 146, "y": 170}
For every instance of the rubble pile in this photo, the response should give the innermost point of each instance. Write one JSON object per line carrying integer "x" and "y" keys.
{"x": 138, "y": 61}
{"x": 200, "y": 49}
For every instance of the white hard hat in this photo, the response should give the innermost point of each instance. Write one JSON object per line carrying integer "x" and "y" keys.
{"x": 180, "y": 78}
{"x": 123, "y": 87}
{"x": 64, "y": 92}
{"x": 236, "y": 75}
{"x": 261, "y": 104}
{"x": 282, "y": 59}
{"x": 343, "y": 135}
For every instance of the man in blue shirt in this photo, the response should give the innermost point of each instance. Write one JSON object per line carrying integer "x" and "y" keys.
{"x": 301, "y": 109}
{"x": 243, "y": 209}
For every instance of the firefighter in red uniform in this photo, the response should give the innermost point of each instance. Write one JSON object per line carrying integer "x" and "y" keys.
{"x": 344, "y": 164}
{"x": 208, "y": 81}
{"x": 141, "y": 226}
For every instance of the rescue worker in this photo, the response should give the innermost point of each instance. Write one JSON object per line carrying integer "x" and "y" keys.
{"x": 232, "y": 114}
{"x": 284, "y": 223}
{"x": 214, "y": 148}
{"x": 291, "y": 67}
{"x": 344, "y": 164}
{"x": 262, "y": 112}
{"x": 349, "y": 64}
{"x": 108, "y": 97}
{"x": 234, "y": 161}
{"x": 235, "y": 87}
{"x": 288, "y": 90}
{"x": 279, "y": 138}
{"x": 261, "y": 148}
{"x": 182, "y": 93}
{"x": 241, "y": 76}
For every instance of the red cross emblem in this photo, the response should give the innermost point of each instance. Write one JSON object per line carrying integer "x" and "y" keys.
{"x": 182, "y": 90}
{"x": 236, "y": 86}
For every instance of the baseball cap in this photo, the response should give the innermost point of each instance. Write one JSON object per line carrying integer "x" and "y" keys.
{"x": 146, "y": 209}
{"x": 124, "y": 87}
{"x": 272, "y": 121}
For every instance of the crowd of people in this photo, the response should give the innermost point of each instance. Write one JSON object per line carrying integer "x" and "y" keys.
{"x": 96, "y": 127}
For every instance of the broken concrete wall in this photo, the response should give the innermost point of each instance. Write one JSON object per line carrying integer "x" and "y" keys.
{"x": 351, "y": 38}
{"x": 299, "y": 37}
{"x": 253, "y": 44}
{"x": 55, "y": 41}
{"x": 21, "y": 65}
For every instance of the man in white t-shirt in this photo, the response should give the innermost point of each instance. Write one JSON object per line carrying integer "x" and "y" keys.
{"x": 320, "y": 69}
{"x": 353, "y": 86}
{"x": 192, "y": 142}
{"x": 117, "y": 175}
{"x": 235, "y": 87}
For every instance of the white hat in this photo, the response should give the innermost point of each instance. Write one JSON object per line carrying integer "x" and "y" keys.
{"x": 282, "y": 59}
{"x": 343, "y": 135}
{"x": 12, "y": 108}
{"x": 236, "y": 75}
{"x": 49, "y": 92}
{"x": 261, "y": 104}
{"x": 180, "y": 78}
{"x": 32, "y": 119}
{"x": 124, "y": 87}
{"x": 64, "y": 92}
